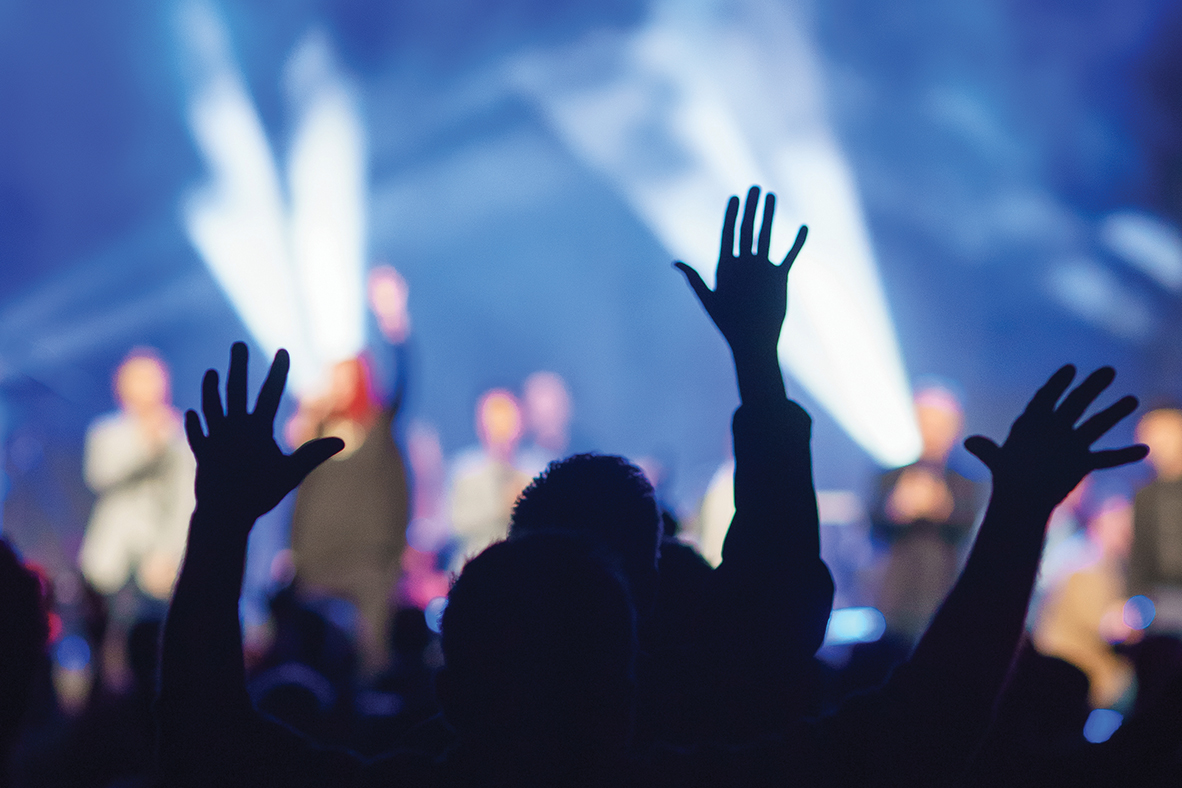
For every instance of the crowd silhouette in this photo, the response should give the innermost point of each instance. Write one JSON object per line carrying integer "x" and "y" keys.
{"x": 591, "y": 647}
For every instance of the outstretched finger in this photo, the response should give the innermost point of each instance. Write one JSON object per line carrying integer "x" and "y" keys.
{"x": 211, "y": 400}
{"x": 305, "y": 459}
{"x": 1075, "y": 403}
{"x": 1046, "y": 397}
{"x": 983, "y": 449}
{"x": 1091, "y": 430}
{"x": 193, "y": 432}
{"x": 270, "y": 394}
{"x": 1110, "y": 458}
{"x": 790, "y": 258}
{"x": 765, "y": 229}
{"x": 700, "y": 289}
{"x": 236, "y": 380}
{"x": 747, "y": 231}
{"x": 728, "y": 230}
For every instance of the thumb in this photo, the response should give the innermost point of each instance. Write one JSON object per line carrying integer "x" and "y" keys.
{"x": 704, "y": 294}
{"x": 307, "y": 457}
{"x": 983, "y": 449}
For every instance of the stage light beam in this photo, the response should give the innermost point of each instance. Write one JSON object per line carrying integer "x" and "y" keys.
{"x": 692, "y": 108}
{"x": 294, "y": 274}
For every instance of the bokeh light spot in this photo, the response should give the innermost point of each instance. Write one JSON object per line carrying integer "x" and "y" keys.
{"x": 72, "y": 653}
{"x": 1139, "y": 612}
{"x": 1101, "y": 724}
{"x": 854, "y": 625}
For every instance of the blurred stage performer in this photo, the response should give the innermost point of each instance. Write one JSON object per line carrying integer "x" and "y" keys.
{"x": 428, "y": 533}
{"x": 1155, "y": 568}
{"x": 348, "y": 528}
{"x": 925, "y": 513}
{"x": 138, "y": 464}
{"x": 1082, "y": 614}
{"x": 716, "y": 513}
{"x": 547, "y": 420}
{"x": 487, "y": 480}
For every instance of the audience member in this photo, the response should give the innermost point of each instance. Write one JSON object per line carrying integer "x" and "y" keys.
{"x": 23, "y": 634}
{"x": 771, "y": 578}
{"x": 539, "y": 640}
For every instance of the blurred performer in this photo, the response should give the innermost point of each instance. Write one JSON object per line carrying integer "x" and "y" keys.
{"x": 926, "y": 514}
{"x": 547, "y": 419}
{"x": 1082, "y": 614}
{"x": 1066, "y": 549}
{"x": 139, "y": 465}
{"x": 348, "y": 529}
{"x": 718, "y": 509}
{"x": 428, "y": 533}
{"x": 1155, "y": 568}
{"x": 487, "y": 481}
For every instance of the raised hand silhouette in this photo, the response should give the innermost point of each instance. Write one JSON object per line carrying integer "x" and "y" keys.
{"x": 750, "y": 295}
{"x": 240, "y": 469}
{"x": 1045, "y": 455}
{"x": 944, "y": 695}
{"x": 771, "y": 551}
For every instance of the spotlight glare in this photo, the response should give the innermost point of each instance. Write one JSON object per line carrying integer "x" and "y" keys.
{"x": 295, "y": 277}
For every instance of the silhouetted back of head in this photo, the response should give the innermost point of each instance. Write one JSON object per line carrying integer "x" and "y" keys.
{"x": 604, "y": 497}
{"x": 539, "y": 645}
{"x": 23, "y": 632}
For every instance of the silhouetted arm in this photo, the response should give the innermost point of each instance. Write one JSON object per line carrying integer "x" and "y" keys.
{"x": 210, "y": 733}
{"x": 772, "y": 577}
{"x": 925, "y": 725}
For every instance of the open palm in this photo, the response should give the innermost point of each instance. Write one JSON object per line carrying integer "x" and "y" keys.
{"x": 750, "y": 295}
{"x": 240, "y": 468}
{"x": 1045, "y": 455}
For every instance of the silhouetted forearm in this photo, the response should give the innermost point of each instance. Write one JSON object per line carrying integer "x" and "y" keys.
{"x": 771, "y": 580}
{"x": 939, "y": 704}
{"x": 204, "y": 710}
{"x": 974, "y": 636}
{"x": 759, "y": 377}
{"x": 773, "y": 545}
{"x": 210, "y": 732}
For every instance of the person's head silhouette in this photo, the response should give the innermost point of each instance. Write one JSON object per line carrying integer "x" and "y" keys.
{"x": 603, "y": 497}
{"x": 539, "y": 644}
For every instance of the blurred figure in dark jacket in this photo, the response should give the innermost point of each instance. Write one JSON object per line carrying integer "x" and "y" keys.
{"x": 925, "y": 513}
{"x": 348, "y": 530}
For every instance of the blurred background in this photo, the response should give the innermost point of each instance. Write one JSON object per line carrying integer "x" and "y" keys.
{"x": 993, "y": 188}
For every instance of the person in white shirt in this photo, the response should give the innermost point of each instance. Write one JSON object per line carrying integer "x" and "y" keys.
{"x": 138, "y": 464}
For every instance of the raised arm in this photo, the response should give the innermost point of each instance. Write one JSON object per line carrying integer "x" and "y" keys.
{"x": 210, "y": 733}
{"x": 771, "y": 570}
{"x": 938, "y": 705}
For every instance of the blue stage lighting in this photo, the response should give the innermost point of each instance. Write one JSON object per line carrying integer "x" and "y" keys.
{"x": 1101, "y": 724}
{"x": 72, "y": 652}
{"x": 854, "y": 625}
{"x": 1139, "y": 612}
